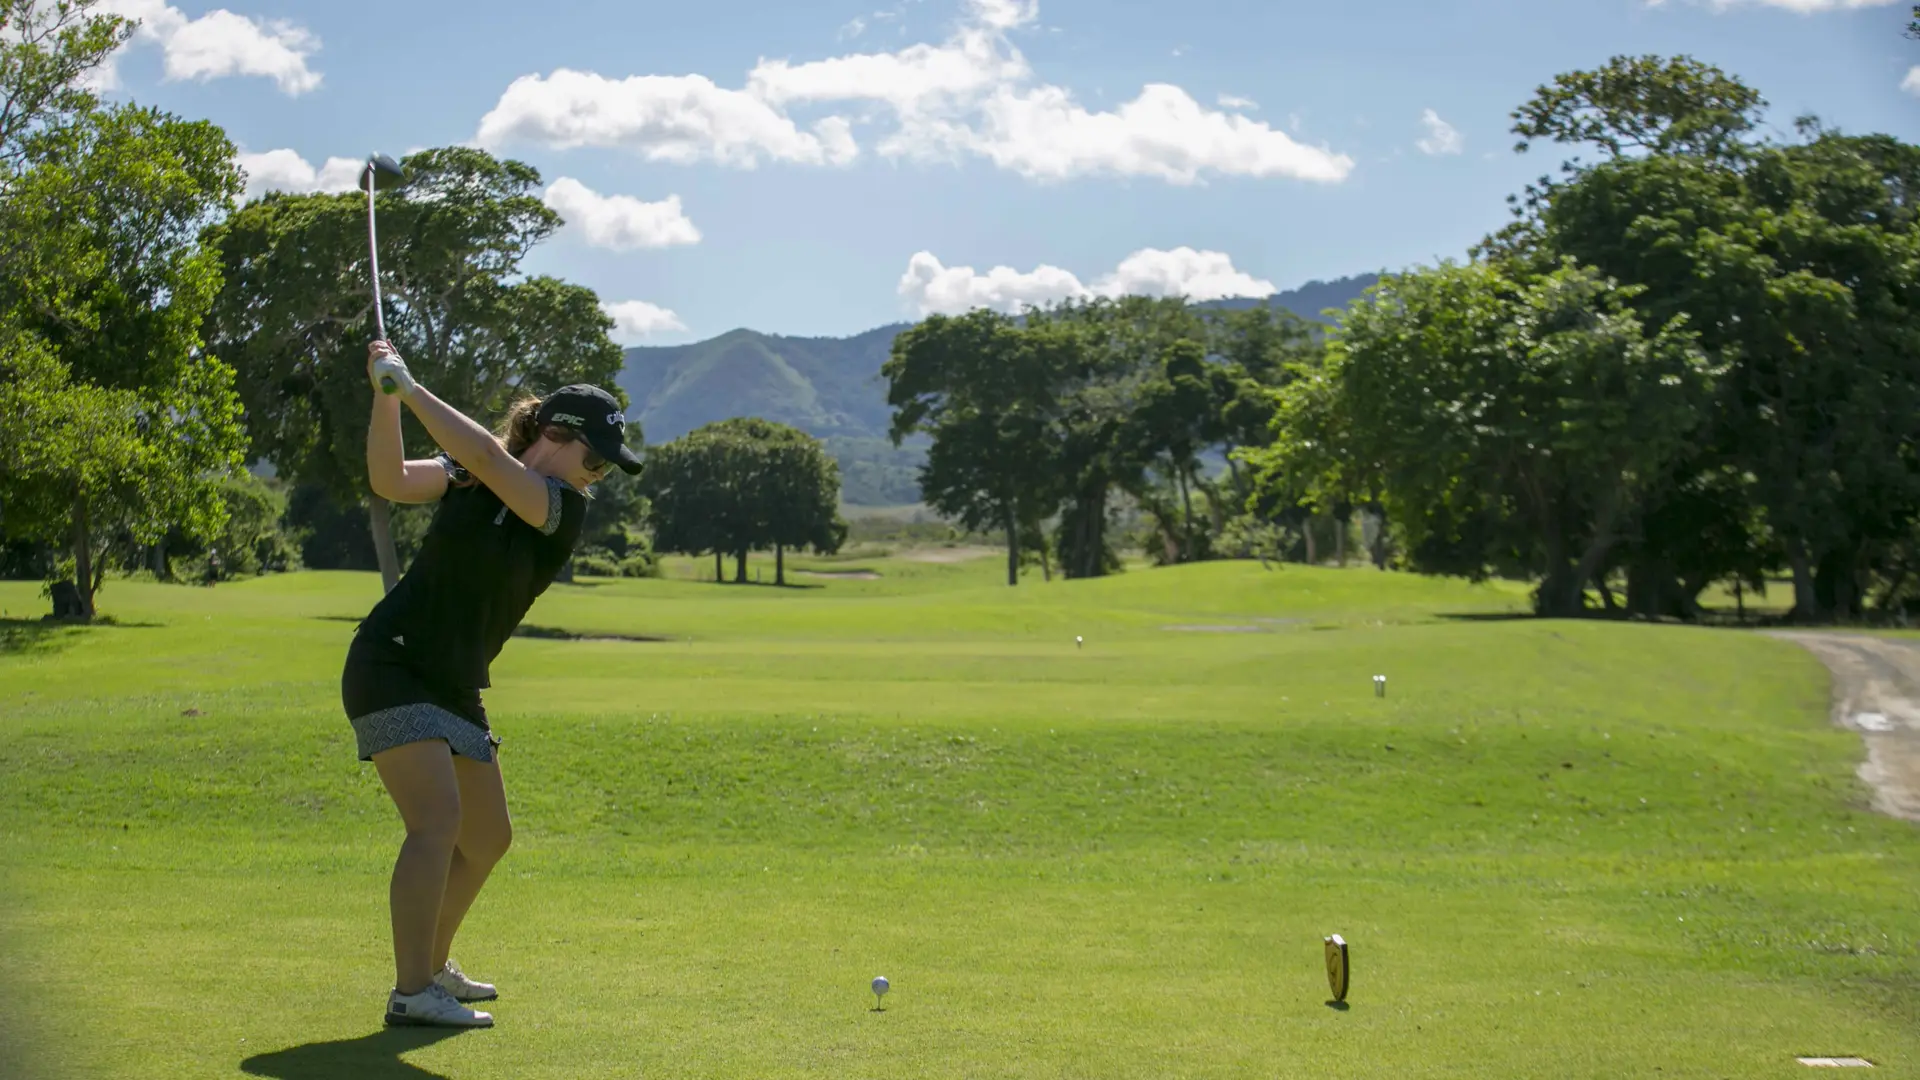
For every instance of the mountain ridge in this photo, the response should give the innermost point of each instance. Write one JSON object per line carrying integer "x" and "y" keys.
{"x": 831, "y": 387}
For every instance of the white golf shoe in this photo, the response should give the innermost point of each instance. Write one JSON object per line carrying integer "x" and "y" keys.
{"x": 455, "y": 982}
{"x": 432, "y": 1007}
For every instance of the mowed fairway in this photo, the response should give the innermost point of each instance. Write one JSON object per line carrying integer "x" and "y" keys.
{"x": 1558, "y": 849}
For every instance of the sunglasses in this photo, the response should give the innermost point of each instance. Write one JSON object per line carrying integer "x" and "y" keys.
{"x": 591, "y": 460}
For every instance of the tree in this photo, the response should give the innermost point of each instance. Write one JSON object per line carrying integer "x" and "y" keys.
{"x": 295, "y": 315}
{"x": 1631, "y": 108}
{"x": 1100, "y": 444}
{"x": 47, "y": 51}
{"x": 1649, "y": 104}
{"x": 740, "y": 485}
{"x": 800, "y": 495}
{"x": 987, "y": 392}
{"x": 691, "y": 500}
{"x": 1178, "y": 417}
{"x": 1793, "y": 264}
{"x": 1522, "y": 413}
{"x": 151, "y": 420}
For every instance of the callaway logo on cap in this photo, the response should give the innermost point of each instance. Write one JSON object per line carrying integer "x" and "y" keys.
{"x": 596, "y": 416}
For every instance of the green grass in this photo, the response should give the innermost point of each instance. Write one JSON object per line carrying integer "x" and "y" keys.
{"x": 1559, "y": 849}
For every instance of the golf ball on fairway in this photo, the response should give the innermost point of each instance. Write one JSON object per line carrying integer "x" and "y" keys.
{"x": 880, "y": 984}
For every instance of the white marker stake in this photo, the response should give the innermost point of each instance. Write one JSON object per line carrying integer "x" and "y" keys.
{"x": 1379, "y": 686}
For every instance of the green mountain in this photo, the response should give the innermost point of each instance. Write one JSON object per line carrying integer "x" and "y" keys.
{"x": 823, "y": 386}
{"x": 830, "y": 388}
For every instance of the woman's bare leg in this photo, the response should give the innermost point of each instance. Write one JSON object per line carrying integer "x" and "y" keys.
{"x": 420, "y": 776}
{"x": 486, "y": 830}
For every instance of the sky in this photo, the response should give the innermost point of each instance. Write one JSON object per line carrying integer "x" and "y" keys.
{"x": 823, "y": 167}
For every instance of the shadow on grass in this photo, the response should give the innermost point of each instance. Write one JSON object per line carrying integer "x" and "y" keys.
{"x": 19, "y": 636}
{"x": 369, "y": 1057}
{"x": 550, "y": 633}
{"x": 555, "y": 633}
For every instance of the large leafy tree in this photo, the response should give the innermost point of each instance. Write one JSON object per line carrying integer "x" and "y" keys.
{"x": 1504, "y": 414}
{"x": 296, "y": 312}
{"x": 741, "y": 485}
{"x": 689, "y": 496}
{"x": 141, "y": 422}
{"x": 1109, "y": 380}
{"x": 799, "y": 494}
{"x": 987, "y": 391}
{"x": 1794, "y": 264}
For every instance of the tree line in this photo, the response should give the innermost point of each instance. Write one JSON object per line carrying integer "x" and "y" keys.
{"x": 1692, "y": 360}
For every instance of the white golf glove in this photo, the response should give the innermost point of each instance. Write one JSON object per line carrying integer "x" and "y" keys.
{"x": 391, "y": 375}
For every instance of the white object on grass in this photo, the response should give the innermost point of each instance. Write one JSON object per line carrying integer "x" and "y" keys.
{"x": 880, "y": 987}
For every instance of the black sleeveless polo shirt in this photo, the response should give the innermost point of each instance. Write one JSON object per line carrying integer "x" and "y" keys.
{"x": 479, "y": 569}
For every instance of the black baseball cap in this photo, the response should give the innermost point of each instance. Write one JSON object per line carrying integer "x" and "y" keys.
{"x": 596, "y": 416}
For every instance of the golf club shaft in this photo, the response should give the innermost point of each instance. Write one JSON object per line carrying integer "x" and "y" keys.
{"x": 373, "y": 264}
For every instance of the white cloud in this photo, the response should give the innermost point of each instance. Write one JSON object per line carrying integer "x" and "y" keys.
{"x": 681, "y": 119}
{"x": 1043, "y": 134}
{"x": 1196, "y": 275}
{"x": 971, "y": 94}
{"x": 1441, "y": 137}
{"x": 937, "y": 289}
{"x": 1911, "y": 84}
{"x": 286, "y": 170}
{"x": 636, "y": 319}
{"x": 1004, "y": 15}
{"x": 914, "y": 79}
{"x": 934, "y": 288}
{"x": 1234, "y": 101}
{"x": 217, "y": 44}
{"x": 854, "y": 27}
{"x": 620, "y": 222}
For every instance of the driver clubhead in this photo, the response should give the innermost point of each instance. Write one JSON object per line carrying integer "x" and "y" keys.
{"x": 385, "y": 172}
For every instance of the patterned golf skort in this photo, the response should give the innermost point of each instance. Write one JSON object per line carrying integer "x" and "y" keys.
{"x": 389, "y": 703}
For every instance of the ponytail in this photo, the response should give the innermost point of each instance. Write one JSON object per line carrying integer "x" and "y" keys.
{"x": 520, "y": 429}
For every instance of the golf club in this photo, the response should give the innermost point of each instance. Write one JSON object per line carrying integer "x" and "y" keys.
{"x": 381, "y": 174}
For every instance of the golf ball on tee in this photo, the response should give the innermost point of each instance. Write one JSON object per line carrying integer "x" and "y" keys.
{"x": 880, "y": 984}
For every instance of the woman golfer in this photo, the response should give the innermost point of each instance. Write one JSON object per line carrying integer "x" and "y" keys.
{"x": 510, "y": 511}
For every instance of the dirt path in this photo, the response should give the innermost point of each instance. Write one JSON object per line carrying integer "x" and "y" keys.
{"x": 1876, "y": 692}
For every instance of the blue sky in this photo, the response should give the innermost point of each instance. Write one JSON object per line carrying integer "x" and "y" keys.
{"x": 823, "y": 167}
